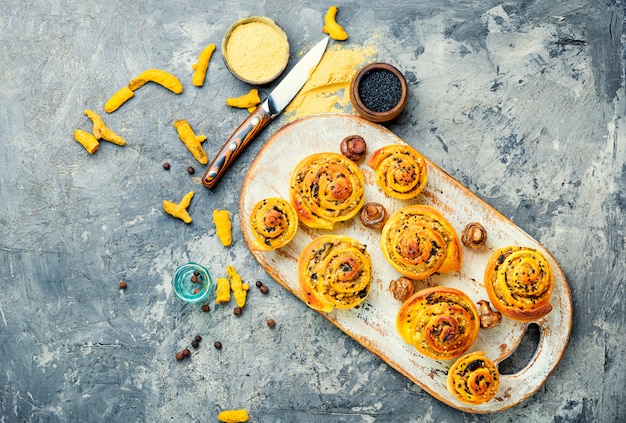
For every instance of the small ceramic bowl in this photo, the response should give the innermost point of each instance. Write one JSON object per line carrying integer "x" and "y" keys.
{"x": 255, "y": 50}
{"x": 379, "y": 92}
{"x": 192, "y": 283}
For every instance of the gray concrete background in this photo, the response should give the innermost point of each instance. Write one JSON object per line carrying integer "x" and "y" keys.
{"x": 534, "y": 127}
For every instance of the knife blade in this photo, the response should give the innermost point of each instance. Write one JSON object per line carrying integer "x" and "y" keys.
{"x": 273, "y": 105}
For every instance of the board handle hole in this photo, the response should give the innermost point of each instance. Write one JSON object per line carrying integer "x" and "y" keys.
{"x": 522, "y": 356}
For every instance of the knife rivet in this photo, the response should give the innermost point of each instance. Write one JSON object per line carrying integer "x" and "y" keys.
{"x": 232, "y": 146}
{"x": 255, "y": 120}
{"x": 212, "y": 174}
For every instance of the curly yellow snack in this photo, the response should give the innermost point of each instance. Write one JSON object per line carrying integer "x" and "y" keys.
{"x": 239, "y": 288}
{"x": 158, "y": 76}
{"x": 223, "y": 226}
{"x": 87, "y": 140}
{"x": 222, "y": 292}
{"x": 246, "y": 101}
{"x": 101, "y": 131}
{"x": 233, "y": 416}
{"x": 120, "y": 97}
{"x": 331, "y": 27}
{"x": 179, "y": 210}
{"x": 200, "y": 68}
{"x": 192, "y": 141}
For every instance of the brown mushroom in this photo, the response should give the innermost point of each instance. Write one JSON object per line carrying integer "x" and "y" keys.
{"x": 474, "y": 235}
{"x": 373, "y": 215}
{"x": 353, "y": 147}
{"x": 488, "y": 317}
{"x": 402, "y": 288}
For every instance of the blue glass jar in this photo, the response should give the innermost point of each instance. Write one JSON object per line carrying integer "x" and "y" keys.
{"x": 192, "y": 283}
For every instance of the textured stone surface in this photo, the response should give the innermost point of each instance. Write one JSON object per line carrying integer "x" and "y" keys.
{"x": 532, "y": 126}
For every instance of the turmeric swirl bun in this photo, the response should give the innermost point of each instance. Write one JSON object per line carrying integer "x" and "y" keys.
{"x": 519, "y": 282}
{"x": 274, "y": 223}
{"x": 473, "y": 379}
{"x": 334, "y": 271}
{"x": 440, "y": 322}
{"x": 418, "y": 241}
{"x": 326, "y": 188}
{"x": 400, "y": 170}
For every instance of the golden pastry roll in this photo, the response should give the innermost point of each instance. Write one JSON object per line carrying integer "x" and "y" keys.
{"x": 326, "y": 188}
{"x": 418, "y": 242}
{"x": 473, "y": 378}
{"x": 519, "y": 282}
{"x": 440, "y": 322}
{"x": 334, "y": 271}
{"x": 273, "y": 222}
{"x": 400, "y": 170}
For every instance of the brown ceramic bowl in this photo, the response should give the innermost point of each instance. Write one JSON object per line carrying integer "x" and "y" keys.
{"x": 362, "y": 99}
{"x": 252, "y": 58}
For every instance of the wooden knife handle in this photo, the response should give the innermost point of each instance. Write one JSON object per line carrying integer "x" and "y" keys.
{"x": 242, "y": 136}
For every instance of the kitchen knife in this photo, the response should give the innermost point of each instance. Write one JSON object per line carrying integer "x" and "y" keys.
{"x": 273, "y": 105}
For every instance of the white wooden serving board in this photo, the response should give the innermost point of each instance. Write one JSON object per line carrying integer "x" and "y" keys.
{"x": 373, "y": 323}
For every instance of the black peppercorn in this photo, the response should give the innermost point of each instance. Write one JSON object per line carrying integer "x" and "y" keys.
{"x": 179, "y": 356}
{"x": 191, "y": 170}
{"x": 206, "y": 308}
{"x": 271, "y": 323}
{"x": 198, "y": 338}
{"x": 166, "y": 166}
{"x": 195, "y": 344}
{"x": 237, "y": 311}
{"x": 264, "y": 289}
{"x": 123, "y": 285}
{"x": 186, "y": 352}
{"x": 259, "y": 284}
{"x": 217, "y": 345}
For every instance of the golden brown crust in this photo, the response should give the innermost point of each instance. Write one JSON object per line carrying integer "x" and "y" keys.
{"x": 400, "y": 170}
{"x": 334, "y": 271}
{"x": 519, "y": 282}
{"x": 273, "y": 222}
{"x": 418, "y": 241}
{"x": 473, "y": 379}
{"x": 440, "y": 322}
{"x": 326, "y": 188}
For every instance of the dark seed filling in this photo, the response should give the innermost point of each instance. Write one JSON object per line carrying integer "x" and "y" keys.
{"x": 380, "y": 90}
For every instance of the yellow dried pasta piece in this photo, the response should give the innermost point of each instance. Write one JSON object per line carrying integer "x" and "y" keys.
{"x": 192, "y": 141}
{"x": 222, "y": 292}
{"x": 245, "y": 101}
{"x": 233, "y": 416}
{"x": 179, "y": 210}
{"x": 223, "y": 226}
{"x": 200, "y": 68}
{"x": 87, "y": 140}
{"x": 331, "y": 27}
{"x": 116, "y": 100}
{"x": 101, "y": 131}
{"x": 157, "y": 76}
{"x": 239, "y": 288}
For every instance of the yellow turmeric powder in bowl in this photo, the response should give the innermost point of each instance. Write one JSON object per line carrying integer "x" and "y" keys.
{"x": 256, "y": 50}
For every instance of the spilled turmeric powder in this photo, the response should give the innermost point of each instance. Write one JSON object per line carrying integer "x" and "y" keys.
{"x": 327, "y": 89}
